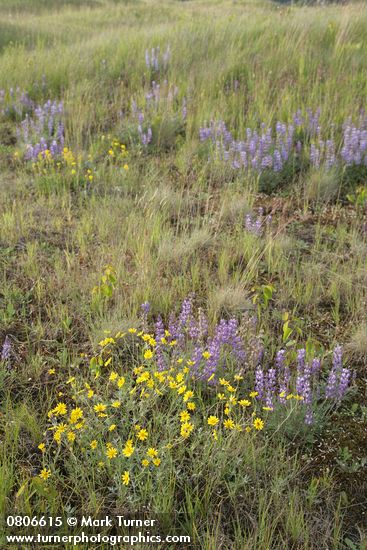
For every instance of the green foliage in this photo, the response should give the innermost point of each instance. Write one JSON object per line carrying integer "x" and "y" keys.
{"x": 271, "y": 182}
{"x": 103, "y": 292}
{"x": 359, "y": 198}
{"x": 353, "y": 176}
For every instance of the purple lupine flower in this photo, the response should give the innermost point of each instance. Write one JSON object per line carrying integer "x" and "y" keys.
{"x": 330, "y": 158}
{"x": 159, "y": 329}
{"x": 280, "y": 359}
{"x": 145, "y": 308}
{"x": 172, "y": 326}
{"x": 6, "y": 349}
{"x": 271, "y": 149}
{"x": 331, "y": 390}
{"x": 315, "y": 366}
{"x": 344, "y": 380}
{"x": 197, "y": 358}
{"x": 184, "y": 109}
{"x": 193, "y": 329}
{"x": 284, "y": 384}
{"x": 202, "y": 324}
{"x": 309, "y": 415}
{"x": 260, "y": 382}
{"x": 42, "y": 129}
{"x": 225, "y": 334}
{"x": 254, "y": 224}
{"x": 338, "y": 357}
{"x": 301, "y": 365}
{"x": 159, "y": 334}
{"x": 184, "y": 318}
{"x": 270, "y": 382}
{"x": 152, "y": 58}
{"x": 212, "y": 363}
{"x": 166, "y": 57}
{"x": 298, "y": 119}
{"x": 301, "y": 359}
{"x": 283, "y": 375}
{"x": 338, "y": 379}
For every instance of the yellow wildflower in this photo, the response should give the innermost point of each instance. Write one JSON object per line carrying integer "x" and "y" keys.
{"x": 71, "y": 436}
{"x": 125, "y": 478}
{"x": 111, "y": 452}
{"x": 213, "y": 420}
{"x": 188, "y": 395}
{"x": 60, "y": 409}
{"x": 152, "y": 452}
{"x": 99, "y": 408}
{"x": 106, "y": 341}
{"x": 45, "y": 474}
{"x": 186, "y": 429}
{"x": 129, "y": 448}
{"x": 120, "y": 382}
{"x": 184, "y": 416}
{"x": 75, "y": 415}
{"x": 229, "y": 424}
{"x": 258, "y": 424}
{"x": 142, "y": 435}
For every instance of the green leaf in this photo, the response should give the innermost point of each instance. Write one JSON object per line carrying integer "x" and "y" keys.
{"x": 287, "y": 331}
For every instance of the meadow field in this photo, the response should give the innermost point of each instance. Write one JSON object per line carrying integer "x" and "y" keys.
{"x": 183, "y": 251}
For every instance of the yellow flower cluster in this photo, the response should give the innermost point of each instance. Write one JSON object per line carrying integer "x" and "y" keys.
{"x": 102, "y": 423}
{"x": 117, "y": 152}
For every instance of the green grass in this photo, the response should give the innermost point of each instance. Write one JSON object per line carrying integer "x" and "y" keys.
{"x": 171, "y": 225}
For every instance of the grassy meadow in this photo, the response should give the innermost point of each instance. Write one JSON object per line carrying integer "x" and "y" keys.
{"x": 131, "y": 204}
